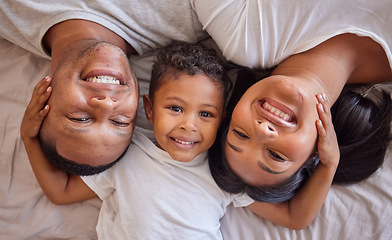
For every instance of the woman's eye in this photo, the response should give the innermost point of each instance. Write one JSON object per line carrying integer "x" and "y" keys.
{"x": 175, "y": 109}
{"x": 205, "y": 114}
{"x": 276, "y": 156}
{"x": 240, "y": 134}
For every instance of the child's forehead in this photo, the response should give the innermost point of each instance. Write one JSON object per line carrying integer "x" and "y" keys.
{"x": 196, "y": 85}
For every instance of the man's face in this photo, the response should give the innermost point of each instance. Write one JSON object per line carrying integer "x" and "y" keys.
{"x": 93, "y": 104}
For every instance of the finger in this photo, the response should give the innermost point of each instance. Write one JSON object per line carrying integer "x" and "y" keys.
{"x": 41, "y": 86}
{"x": 322, "y": 133}
{"x": 42, "y": 114}
{"x": 40, "y": 96}
{"x": 45, "y": 96}
{"x": 322, "y": 98}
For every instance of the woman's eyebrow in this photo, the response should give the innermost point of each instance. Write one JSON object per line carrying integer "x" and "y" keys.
{"x": 267, "y": 169}
{"x": 235, "y": 148}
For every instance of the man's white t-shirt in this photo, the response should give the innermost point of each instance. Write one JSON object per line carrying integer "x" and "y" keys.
{"x": 148, "y": 195}
{"x": 145, "y": 25}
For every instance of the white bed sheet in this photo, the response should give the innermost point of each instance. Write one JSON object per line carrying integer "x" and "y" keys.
{"x": 362, "y": 211}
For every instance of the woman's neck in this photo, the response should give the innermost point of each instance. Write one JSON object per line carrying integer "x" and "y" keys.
{"x": 341, "y": 60}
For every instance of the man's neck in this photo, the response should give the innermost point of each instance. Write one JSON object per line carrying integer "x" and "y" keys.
{"x": 65, "y": 35}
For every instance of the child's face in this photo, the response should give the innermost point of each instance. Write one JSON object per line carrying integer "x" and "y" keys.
{"x": 186, "y": 114}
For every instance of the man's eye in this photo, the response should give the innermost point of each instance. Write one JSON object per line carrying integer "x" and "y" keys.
{"x": 175, "y": 109}
{"x": 121, "y": 124}
{"x": 276, "y": 156}
{"x": 79, "y": 119}
{"x": 240, "y": 134}
{"x": 205, "y": 114}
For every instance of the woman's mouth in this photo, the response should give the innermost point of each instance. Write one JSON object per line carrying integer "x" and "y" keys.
{"x": 278, "y": 110}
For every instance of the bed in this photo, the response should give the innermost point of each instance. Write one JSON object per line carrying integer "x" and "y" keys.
{"x": 361, "y": 211}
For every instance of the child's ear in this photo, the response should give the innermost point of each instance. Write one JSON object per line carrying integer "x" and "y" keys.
{"x": 147, "y": 107}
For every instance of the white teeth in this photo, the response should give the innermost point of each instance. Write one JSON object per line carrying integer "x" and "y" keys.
{"x": 183, "y": 142}
{"x": 103, "y": 79}
{"x": 276, "y": 111}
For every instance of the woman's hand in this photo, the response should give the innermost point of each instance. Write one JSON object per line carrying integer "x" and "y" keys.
{"x": 327, "y": 144}
{"x": 36, "y": 111}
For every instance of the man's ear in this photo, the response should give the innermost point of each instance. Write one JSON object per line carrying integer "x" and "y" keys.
{"x": 147, "y": 107}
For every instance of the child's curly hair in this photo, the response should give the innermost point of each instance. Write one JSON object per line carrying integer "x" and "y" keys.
{"x": 192, "y": 58}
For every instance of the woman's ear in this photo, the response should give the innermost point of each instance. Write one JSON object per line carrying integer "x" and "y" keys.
{"x": 147, "y": 107}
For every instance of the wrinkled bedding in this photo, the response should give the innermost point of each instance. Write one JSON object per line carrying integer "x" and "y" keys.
{"x": 361, "y": 211}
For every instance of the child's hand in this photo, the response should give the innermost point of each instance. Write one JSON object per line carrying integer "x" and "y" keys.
{"x": 36, "y": 111}
{"x": 327, "y": 145}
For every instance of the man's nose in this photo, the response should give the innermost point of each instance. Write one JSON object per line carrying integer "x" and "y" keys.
{"x": 105, "y": 103}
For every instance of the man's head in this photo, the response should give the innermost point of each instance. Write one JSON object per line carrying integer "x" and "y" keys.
{"x": 92, "y": 107}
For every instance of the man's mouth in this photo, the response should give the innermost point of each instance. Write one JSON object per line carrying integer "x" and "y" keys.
{"x": 103, "y": 79}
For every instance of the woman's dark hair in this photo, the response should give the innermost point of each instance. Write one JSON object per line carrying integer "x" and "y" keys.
{"x": 192, "y": 58}
{"x": 363, "y": 132}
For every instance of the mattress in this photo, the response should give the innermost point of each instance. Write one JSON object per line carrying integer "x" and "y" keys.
{"x": 360, "y": 211}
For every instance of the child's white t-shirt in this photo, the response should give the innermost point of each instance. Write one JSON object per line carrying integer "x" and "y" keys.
{"x": 148, "y": 195}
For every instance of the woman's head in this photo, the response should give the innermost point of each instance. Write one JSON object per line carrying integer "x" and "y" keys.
{"x": 243, "y": 167}
{"x": 272, "y": 130}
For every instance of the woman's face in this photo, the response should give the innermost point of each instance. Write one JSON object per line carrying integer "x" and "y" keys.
{"x": 273, "y": 130}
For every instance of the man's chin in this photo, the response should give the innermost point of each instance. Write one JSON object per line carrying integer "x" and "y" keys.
{"x": 75, "y": 168}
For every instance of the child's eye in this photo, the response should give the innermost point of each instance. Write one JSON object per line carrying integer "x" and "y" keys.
{"x": 240, "y": 134}
{"x": 205, "y": 114}
{"x": 175, "y": 109}
{"x": 276, "y": 156}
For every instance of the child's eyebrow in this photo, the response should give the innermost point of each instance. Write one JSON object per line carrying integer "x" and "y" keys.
{"x": 181, "y": 100}
{"x": 211, "y": 105}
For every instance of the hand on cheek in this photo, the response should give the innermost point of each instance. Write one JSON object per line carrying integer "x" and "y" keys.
{"x": 36, "y": 110}
{"x": 327, "y": 145}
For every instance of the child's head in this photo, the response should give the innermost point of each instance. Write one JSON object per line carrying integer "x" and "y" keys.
{"x": 186, "y": 99}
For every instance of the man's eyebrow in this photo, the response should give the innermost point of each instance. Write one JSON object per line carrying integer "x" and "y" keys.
{"x": 235, "y": 148}
{"x": 267, "y": 169}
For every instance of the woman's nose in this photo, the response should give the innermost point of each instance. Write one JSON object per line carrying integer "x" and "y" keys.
{"x": 104, "y": 103}
{"x": 266, "y": 129}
